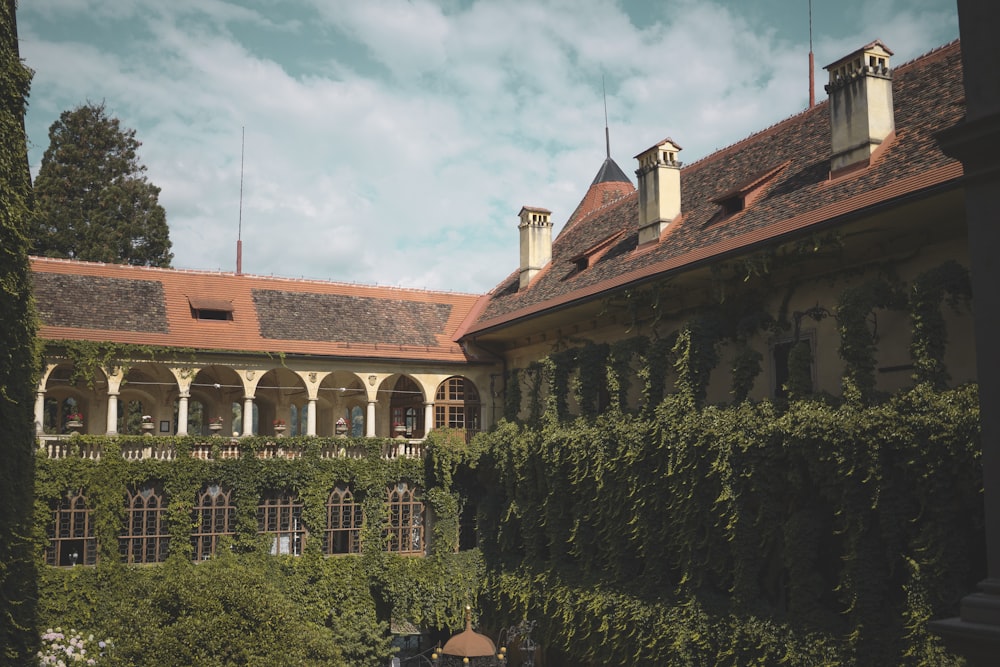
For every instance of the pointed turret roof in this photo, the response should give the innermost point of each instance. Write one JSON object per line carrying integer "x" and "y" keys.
{"x": 610, "y": 184}
{"x": 610, "y": 172}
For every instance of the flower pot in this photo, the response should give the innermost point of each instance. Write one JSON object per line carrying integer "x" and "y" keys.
{"x": 148, "y": 426}
{"x": 215, "y": 427}
{"x": 74, "y": 424}
{"x": 279, "y": 430}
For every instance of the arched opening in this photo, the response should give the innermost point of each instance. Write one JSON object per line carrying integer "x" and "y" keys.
{"x": 217, "y": 392}
{"x": 341, "y": 395}
{"x": 278, "y": 391}
{"x": 71, "y": 404}
{"x": 406, "y": 406}
{"x": 457, "y": 406}
{"x": 147, "y": 391}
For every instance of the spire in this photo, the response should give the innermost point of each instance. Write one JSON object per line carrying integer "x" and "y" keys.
{"x": 607, "y": 133}
{"x": 609, "y": 185}
{"x": 812, "y": 83}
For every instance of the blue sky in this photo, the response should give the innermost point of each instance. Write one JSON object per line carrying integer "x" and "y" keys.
{"x": 395, "y": 141}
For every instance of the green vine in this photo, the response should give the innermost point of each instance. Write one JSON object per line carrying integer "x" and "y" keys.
{"x": 512, "y": 395}
{"x": 858, "y": 336}
{"x": 737, "y": 535}
{"x": 949, "y": 281}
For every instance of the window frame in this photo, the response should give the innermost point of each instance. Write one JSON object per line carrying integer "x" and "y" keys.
{"x": 286, "y": 510}
{"x": 144, "y": 531}
{"x": 405, "y": 530}
{"x": 72, "y": 516}
{"x": 346, "y": 510}
{"x": 203, "y": 535}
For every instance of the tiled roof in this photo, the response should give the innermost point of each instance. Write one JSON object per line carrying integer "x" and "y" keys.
{"x": 796, "y": 193}
{"x": 349, "y": 319}
{"x": 127, "y": 304}
{"x": 93, "y": 302}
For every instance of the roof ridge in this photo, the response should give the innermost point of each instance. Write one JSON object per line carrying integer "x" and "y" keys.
{"x": 937, "y": 50}
{"x": 317, "y": 281}
{"x": 721, "y": 152}
{"x": 597, "y": 209}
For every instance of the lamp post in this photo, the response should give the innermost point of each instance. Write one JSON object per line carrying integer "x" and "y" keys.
{"x": 525, "y": 644}
{"x": 420, "y": 658}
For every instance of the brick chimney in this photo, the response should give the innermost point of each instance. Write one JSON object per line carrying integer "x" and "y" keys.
{"x": 861, "y": 114}
{"x": 536, "y": 242}
{"x": 659, "y": 175}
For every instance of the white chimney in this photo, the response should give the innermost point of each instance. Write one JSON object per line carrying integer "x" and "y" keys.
{"x": 659, "y": 175}
{"x": 536, "y": 242}
{"x": 861, "y": 114}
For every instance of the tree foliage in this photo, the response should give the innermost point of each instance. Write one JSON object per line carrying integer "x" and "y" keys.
{"x": 18, "y": 638}
{"x": 94, "y": 202}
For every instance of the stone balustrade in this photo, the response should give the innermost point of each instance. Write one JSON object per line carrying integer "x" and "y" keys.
{"x": 161, "y": 449}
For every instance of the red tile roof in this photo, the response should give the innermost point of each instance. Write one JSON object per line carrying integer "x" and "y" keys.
{"x": 127, "y": 304}
{"x": 793, "y": 157}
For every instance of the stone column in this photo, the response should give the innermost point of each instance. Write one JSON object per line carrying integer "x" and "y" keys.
{"x": 311, "y": 417}
{"x": 370, "y": 420}
{"x": 39, "y": 412}
{"x": 428, "y": 418}
{"x": 182, "y": 415}
{"x": 247, "y": 416}
{"x": 113, "y": 413}
{"x": 975, "y": 633}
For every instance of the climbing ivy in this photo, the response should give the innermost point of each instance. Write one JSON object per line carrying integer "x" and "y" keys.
{"x": 512, "y": 394}
{"x": 948, "y": 282}
{"x": 343, "y": 601}
{"x": 856, "y": 321}
{"x": 739, "y": 535}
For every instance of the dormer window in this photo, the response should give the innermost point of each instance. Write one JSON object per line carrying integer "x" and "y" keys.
{"x": 731, "y": 205}
{"x": 591, "y": 255}
{"x": 211, "y": 309}
{"x": 744, "y": 194}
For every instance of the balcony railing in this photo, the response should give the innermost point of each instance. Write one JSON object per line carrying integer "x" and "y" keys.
{"x": 165, "y": 449}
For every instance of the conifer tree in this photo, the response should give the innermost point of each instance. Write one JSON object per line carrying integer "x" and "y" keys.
{"x": 18, "y": 577}
{"x": 93, "y": 201}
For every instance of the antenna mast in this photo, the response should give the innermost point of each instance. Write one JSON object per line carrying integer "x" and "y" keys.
{"x": 239, "y": 229}
{"x": 812, "y": 83}
{"x": 607, "y": 134}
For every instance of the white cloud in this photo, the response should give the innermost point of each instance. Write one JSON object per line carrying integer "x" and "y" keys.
{"x": 407, "y": 162}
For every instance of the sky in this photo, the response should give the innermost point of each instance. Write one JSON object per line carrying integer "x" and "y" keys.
{"x": 393, "y": 142}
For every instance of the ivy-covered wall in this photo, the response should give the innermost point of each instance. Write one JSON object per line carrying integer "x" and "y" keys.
{"x": 18, "y": 361}
{"x": 297, "y": 610}
{"x": 823, "y": 534}
{"x": 643, "y": 519}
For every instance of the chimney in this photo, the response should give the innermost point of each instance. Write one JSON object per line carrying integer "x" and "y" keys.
{"x": 659, "y": 175}
{"x": 861, "y": 115}
{"x": 536, "y": 242}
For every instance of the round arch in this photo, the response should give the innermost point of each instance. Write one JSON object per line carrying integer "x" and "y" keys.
{"x": 280, "y": 394}
{"x": 216, "y": 396}
{"x": 457, "y": 405}
{"x": 406, "y": 406}
{"x": 68, "y": 396}
{"x": 147, "y": 389}
{"x": 341, "y": 395}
